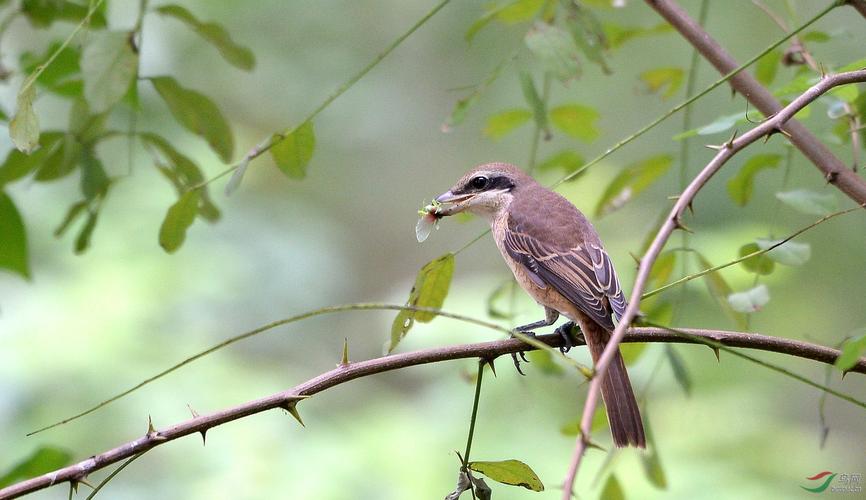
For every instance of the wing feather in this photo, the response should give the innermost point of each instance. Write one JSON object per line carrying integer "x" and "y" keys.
{"x": 583, "y": 274}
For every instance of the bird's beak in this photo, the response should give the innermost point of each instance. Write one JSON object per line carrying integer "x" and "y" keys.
{"x": 453, "y": 203}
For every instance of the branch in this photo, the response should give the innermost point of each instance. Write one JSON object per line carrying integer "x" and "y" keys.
{"x": 776, "y": 123}
{"x": 347, "y": 372}
{"x": 859, "y": 5}
{"x": 835, "y": 172}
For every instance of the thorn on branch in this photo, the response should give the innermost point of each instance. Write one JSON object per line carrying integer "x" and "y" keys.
{"x": 489, "y": 362}
{"x": 344, "y": 361}
{"x": 150, "y": 428}
{"x": 716, "y": 352}
{"x": 203, "y": 433}
{"x": 831, "y": 177}
{"x": 678, "y": 224}
{"x": 193, "y": 412}
{"x": 292, "y": 408}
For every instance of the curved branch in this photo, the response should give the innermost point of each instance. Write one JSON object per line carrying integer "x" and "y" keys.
{"x": 776, "y": 123}
{"x": 344, "y": 373}
{"x": 834, "y": 171}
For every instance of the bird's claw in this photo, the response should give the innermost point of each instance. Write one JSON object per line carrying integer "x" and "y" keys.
{"x": 521, "y": 354}
{"x": 564, "y": 330}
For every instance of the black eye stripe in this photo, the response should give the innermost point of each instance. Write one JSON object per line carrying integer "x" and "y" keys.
{"x": 493, "y": 183}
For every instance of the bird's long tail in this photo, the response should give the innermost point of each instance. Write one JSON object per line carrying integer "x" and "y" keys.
{"x": 623, "y": 413}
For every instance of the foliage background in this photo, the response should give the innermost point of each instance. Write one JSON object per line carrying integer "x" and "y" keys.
{"x": 89, "y": 326}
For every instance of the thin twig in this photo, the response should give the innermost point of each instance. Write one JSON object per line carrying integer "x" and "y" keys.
{"x": 345, "y": 373}
{"x": 776, "y": 123}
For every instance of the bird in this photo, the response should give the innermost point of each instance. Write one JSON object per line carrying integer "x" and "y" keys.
{"x": 558, "y": 258}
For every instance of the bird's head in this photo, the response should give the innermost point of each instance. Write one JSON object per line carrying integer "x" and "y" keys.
{"x": 484, "y": 191}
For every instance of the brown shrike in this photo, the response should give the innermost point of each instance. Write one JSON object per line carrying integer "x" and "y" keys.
{"x": 557, "y": 257}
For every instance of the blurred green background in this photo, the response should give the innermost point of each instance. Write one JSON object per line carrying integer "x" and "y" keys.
{"x": 87, "y": 327}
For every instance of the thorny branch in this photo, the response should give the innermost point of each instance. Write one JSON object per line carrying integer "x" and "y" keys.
{"x": 778, "y": 123}
{"x": 288, "y": 399}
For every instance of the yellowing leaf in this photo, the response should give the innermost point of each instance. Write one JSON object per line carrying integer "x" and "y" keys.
{"x": 13, "y": 239}
{"x": 198, "y": 114}
{"x": 740, "y": 186}
{"x": 500, "y": 124}
{"x": 659, "y": 78}
{"x": 109, "y": 65}
{"x": 236, "y": 55}
{"x": 24, "y": 127}
{"x": 178, "y": 219}
{"x": 631, "y": 181}
{"x": 513, "y": 472}
{"x": 576, "y": 120}
{"x": 293, "y": 152}
{"x": 510, "y": 13}
{"x": 618, "y": 35}
{"x": 555, "y": 50}
{"x": 430, "y": 289}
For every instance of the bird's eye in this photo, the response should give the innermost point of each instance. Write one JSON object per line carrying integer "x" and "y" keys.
{"x": 479, "y": 182}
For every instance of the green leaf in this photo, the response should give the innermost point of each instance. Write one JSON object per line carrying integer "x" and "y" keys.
{"x": 198, "y": 114}
{"x": 566, "y": 161}
{"x": 513, "y": 472}
{"x": 632, "y": 181}
{"x": 852, "y": 350}
{"x": 539, "y": 110}
{"x": 809, "y": 202}
{"x": 720, "y": 290}
{"x": 65, "y": 154}
{"x": 751, "y": 300}
{"x": 94, "y": 180}
{"x": 652, "y": 466}
{"x": 236, "y": 55}
{"x": 576, "y": 120}
{"x": 24, "y": 127}
{"x": 18, "y": 164}
{"x": 678, "y": 367}
{"x": 510, "y": 13}
{"x": 659, "y": 78}
{"x": 74, "y": 211}
{"x": 612, "y": 490}
{"x": 588, "y": 33}
{"x": 500, "y": 124}
{"x": 293, "y": 152}
{"x": 45, "y": 459}
{"x": 790, "y": 253}
{"x": 184, "y": 174}
{"x": 430, "y": 289}
{"x": 178, "y": 219}
{"x": 63, "y": 75}
{"x": 13, "y": 239}
{"x": 461, "y": 109}
{"x": 109, "y": 64}
{"x": 618, "y": 35}
{"x": 82, "y": 242}
{"x": 555, "y": 50}
{"x": 760, "y": 264}
{"x": 42, "y": 13}
{"x": 767, "y": 66}
{"x": 740, "y": 186}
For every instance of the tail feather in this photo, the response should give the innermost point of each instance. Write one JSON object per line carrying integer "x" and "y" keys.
{"x": 623, "y": 413}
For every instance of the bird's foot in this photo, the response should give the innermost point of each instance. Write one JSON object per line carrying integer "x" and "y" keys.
{"x": 565, "y": 331}
{"x": 521, "y": 354}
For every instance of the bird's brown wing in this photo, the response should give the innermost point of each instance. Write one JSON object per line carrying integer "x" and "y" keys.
{"x": 583, "y": 274}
